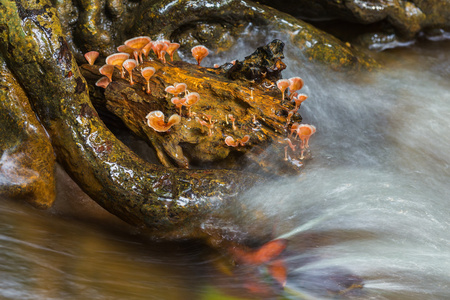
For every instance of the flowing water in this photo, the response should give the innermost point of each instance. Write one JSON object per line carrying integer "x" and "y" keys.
{"x": 372, "y": 203}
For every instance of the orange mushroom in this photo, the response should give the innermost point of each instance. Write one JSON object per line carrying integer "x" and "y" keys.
{"x": 107, "y": 70}
{"x": 137, "y": 44}
{"x": 232, "y": 119}
{"x": 155, "y": 120}
{"x": 304, "y": 132}
{"x": 146, "y": 49}
{"x": 129, "y": 65}
{"x": 296, "y": 83}
{"x": 172, "y": 47}
{"x": 230, "y": 141}
{"x": 147, "y": 73}
{"x": 299, "y": 99}
{"x": 209, "y": 124}
{"x": 160, "y": 48}
{"x": 125, "y": 49}
{"x": 117, "y": 60}
{"x": 290, "y": 145}
{"x": 199, "y": 53}
{"x": 180, "y": 87}
{"x": 91, "y": 56}
{"x": 103, "y": 82}
{"x": 283, "y": 84}
{"x": 178, "y": 102}
{"x": 191, "y": 99}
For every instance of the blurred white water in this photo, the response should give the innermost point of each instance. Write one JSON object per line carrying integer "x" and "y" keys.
{"x": 374, "y": 200}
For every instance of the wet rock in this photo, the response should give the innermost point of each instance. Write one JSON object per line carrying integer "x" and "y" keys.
{"x": 406, "y": 17}
{"x": 213, "y": 23}
{"x": 27, "y": 163}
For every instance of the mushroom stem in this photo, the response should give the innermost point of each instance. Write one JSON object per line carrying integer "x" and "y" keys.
{"x": 148, "y": 86}
{"x": 131, "y": 77}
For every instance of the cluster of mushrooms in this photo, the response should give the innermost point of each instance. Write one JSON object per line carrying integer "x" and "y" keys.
{"x": 136, "y": 50}
{"x": 299, "y": 133}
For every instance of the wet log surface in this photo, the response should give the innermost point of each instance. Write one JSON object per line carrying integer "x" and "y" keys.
{"x": 256, "y": 105}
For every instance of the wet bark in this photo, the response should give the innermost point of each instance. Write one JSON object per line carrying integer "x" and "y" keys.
{"x": 252, "y": 99}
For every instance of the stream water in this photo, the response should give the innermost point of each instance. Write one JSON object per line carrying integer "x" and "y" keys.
{"x": 372, "y": 203}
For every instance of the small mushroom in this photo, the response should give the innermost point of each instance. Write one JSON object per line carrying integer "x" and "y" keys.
{"x": 230, "y": 141}
{"x": 147, "y": 73}
{"x": 304, "y": 132}
{"x": 146, "y": 49}
{"x": 296, "y": 83}
{"x": 103, "y": 82}
{"x": 199, "y": 53}
{"x": 155, "y": 120}
{"x": 290, "y": 145}
{"x": 180, "y": 87}
{"x": 91, "y": 56}
{"x": 137, "y": 44}
{"x": 125, "y": 49}
{"x": 178, "y": 102}
{"x": 294, "y": 128}
{"x": 107, "y": 70}
{"x": 232, "y": 119}
{"x": 171, "y": 48}
{"x": 160, "y": 48}
{"x": 191, "y": 99}
{"x": 283, "y": 84}
{"x": 298, "y": 100}
{"x": 289, "y": 116}
{"x": 209, "y": 124}
{"x": 117, "y": 60}
{"x": 129, "y": 65}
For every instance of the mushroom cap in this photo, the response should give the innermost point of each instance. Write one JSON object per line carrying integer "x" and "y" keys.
{"x": 296, "y": 83}
{"x": 202, "y": 122}
{"x": 117, "y": 59}
{"x": 192, "y": 98}
{"x": 125, "y": 49}
{"x": 305, "y": 130}
{"x": 159, "y": 45}
{"x": 129, "y": 64}
{"x": 146, "y": 49}
{"x": 103, "y": 82}
{"x": 107, "y": 70}
{"x": 178, "y": 101}
{"x": 302, "y": 97}
{"x": 244, "y": 140}
{"x": 180, "y": 87}
{"x": 231, "y": 117}
{"x": 199, "y": 53}
{"x": 155, "y": 120}
{"x": 138, "y": 42}
{"x": 171, "y": 90}
{"x": 283, "y": 84}
{"x": 172, "y": 47}
{"x": 148, "y": 72}
{"x": 91, "y": 56}
{"x": 230, "y": 141}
